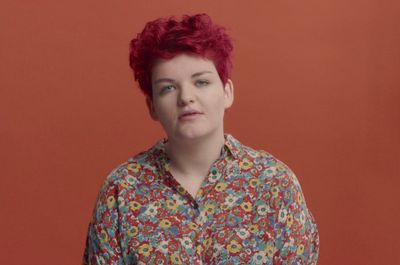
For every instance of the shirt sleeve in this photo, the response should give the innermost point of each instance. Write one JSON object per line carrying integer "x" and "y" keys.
{"x": 297, "y": 238}
{"x": 102, "y": 242}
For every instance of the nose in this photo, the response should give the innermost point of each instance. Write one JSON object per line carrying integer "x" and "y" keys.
{"x": 186, "y": 95}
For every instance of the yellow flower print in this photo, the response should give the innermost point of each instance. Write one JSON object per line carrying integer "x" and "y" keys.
{"x": 110, "y": 202}
{"x": 280, "y": 167}
{"x": 103, "y": 236}
{"x": 175, "y": 259}
{"x": 270, "y": 250}
{"x": 246, "y": 206}
{"x": 207, "y": 243}
{"x": 221, "y": 186}
{"x": 224, "y": 206}
{"x": 193, "y": 226}
{"x": 234, "y": 247}
{"x": 145, "y": 249}
{"x": 253, "y": 228}
{"x": 171, "y": 205}
{"x": 133, "y": 231}
{"x": 209, "y": 208}
{"x": 275, "y": 190}
{"x": 124, "y": 184}
{"x": 254, "y": 182}
{"x": 299, "y": 198}
{"x": 199, "y": 249}
{"x": 289, "y": 220}
{"x": 167, "y": 166}
{"x": 165, "y": 223}
{"x": 134, "y": 205}
{"x": 245, "y": 164}
{"x": 181, "y": 190}
{"x": 300, "y": 249}
{"x": 134, "y": 167}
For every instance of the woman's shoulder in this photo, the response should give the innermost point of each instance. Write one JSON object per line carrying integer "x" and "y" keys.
{"x": 270, "y": 167}
{"x": 130, "y": 171}
{"x": 260, "y": 156}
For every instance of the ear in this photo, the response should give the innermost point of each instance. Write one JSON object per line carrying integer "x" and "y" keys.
{"x": 228, "y": 94}
{"x": 150, "y": 107}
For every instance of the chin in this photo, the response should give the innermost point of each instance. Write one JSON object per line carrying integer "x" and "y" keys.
{"x": 191, "y": 135}
{"x": 195, "y": 134}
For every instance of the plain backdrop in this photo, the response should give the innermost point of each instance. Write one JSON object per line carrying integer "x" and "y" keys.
{"x": 317, "y": 85}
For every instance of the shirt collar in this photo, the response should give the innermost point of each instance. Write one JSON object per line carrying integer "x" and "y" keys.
{"x": 231, "y": 151}
{"x": 231, "y": 146}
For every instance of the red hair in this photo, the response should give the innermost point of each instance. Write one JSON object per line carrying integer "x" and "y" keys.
{"x": 166, "y": 38}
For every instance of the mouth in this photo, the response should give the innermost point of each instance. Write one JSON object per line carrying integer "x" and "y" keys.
{"x": 189, "y": 115}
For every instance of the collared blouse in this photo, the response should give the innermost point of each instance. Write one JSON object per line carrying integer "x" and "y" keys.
{"x": 250, "y": 209}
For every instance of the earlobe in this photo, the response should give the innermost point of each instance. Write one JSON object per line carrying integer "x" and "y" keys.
{"x": 229, "y": 95}
{"x": 150, "y": 107}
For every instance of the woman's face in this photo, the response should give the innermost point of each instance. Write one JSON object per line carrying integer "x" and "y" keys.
{"x": 189, "y": 98}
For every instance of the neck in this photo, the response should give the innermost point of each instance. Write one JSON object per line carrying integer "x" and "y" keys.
{"x": 193, "y": 158}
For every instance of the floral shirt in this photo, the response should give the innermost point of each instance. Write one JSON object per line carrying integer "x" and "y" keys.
{"x": 249, "y": 210}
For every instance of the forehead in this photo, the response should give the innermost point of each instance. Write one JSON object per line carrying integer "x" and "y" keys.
{"x": 181, "y": 66}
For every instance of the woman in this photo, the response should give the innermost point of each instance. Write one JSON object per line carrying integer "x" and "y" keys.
{"x": 199, "y": 196}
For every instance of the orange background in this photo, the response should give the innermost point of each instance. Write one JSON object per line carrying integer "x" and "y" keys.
{"x": 317, "y": 85}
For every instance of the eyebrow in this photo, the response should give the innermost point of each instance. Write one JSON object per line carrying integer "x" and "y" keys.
{"x": 201, "y": 73}
{"x": 172, "y": 80}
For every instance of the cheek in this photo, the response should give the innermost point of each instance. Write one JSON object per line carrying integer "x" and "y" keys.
{"x": 164, "y": 112}
{"x": 217, "y": 107}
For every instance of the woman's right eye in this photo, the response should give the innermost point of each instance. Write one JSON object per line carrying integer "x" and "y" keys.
{"x": 167, "y": 88}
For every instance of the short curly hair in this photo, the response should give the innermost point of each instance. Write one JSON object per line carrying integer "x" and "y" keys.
{"x": 166, "y": 37}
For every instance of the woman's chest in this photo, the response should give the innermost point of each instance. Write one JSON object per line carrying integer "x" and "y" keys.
{"x": 169, "y": 231}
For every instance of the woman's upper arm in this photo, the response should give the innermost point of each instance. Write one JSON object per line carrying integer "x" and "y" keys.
{"x": 297, "y": 238}
{"x": 102, "y": 242}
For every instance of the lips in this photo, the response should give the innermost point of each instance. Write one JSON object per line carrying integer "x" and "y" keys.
{"x": 189, "y": 113}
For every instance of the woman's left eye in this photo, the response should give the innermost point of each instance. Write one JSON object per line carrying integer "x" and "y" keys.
{"x": 202, "y": 82}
